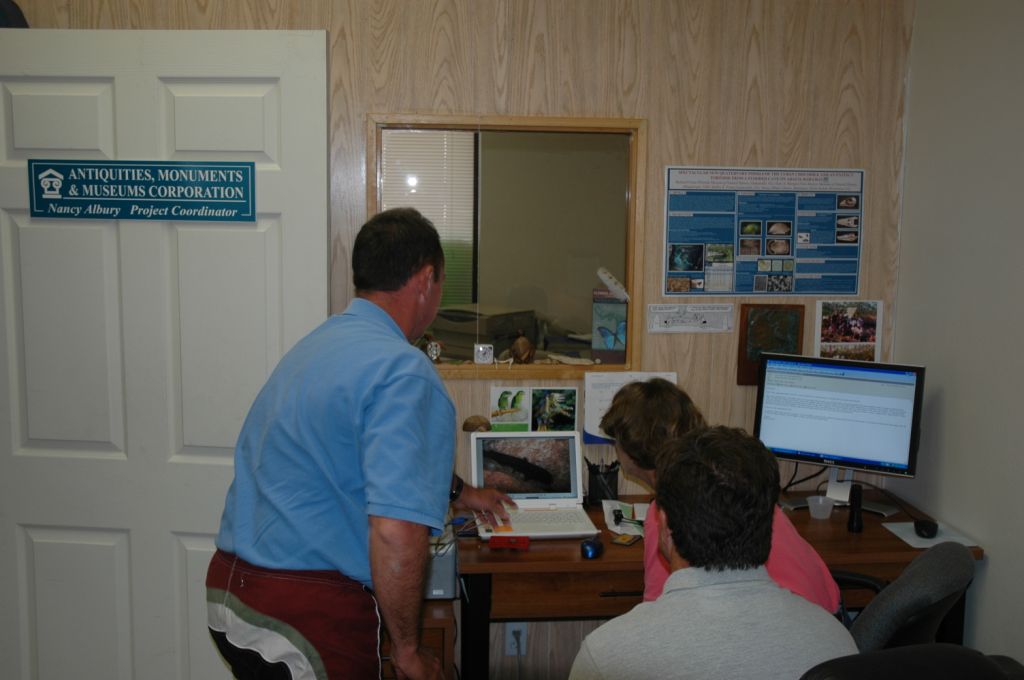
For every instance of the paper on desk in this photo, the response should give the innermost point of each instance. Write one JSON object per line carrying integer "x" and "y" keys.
{"x": 636, "y": 511}
{"x": 905, "y": 532}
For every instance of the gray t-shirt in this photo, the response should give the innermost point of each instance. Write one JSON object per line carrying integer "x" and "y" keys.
{"x": 727, "y": 625}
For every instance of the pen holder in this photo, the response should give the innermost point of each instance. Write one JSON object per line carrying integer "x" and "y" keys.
{"x": 602, "y": 485}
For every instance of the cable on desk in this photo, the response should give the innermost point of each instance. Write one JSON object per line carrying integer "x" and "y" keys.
{"x": 441, "y": 544}
{"x": 790, "y": 484}
{"x": 443, "y": 548}
{"x": 465, "y": 527}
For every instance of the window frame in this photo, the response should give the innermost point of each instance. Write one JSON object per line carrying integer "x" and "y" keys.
{"x": 635, "y": 128}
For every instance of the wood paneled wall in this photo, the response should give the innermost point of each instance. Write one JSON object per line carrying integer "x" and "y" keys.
{"x": 773, "y": 83}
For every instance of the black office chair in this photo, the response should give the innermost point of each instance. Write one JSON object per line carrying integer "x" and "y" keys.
{"x": 910, "y": 609}
{"x": 935, "y": 661}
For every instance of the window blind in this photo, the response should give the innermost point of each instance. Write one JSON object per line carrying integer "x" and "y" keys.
{"x": 434, "y": 172}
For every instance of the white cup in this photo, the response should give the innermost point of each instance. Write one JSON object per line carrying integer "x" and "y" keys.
{"x": 820, "y": 506}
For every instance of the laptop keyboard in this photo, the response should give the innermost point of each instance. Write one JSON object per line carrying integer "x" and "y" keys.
{"x": 523, "y": 521}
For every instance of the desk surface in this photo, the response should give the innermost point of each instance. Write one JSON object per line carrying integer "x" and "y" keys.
{"x": 477, "y": 557}
{"x": 875, "y": 551}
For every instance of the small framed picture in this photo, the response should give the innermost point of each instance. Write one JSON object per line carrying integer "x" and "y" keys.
{"x": 553, "y": 408}
{"x": 767, "y": 328}
{"x": 848, "y": 329}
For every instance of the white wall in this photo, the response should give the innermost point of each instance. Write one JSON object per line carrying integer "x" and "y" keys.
{"x": 958, "y": 307}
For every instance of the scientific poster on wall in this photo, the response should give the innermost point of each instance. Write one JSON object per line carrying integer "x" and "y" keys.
{"x": 762, "y": 231}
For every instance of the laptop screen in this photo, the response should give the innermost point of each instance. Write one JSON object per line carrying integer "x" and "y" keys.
{"x": 528, "y": 465}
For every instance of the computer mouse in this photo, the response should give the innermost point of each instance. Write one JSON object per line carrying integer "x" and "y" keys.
{"x": 926, "y": 528}
{"x": 591, "y": 548}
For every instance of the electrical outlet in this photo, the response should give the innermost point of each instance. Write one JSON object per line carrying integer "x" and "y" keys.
{"x": 511, "y": 629}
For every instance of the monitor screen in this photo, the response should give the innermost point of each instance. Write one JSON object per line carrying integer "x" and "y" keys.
{"x": 527, "y": 464}
{"x": 858, "y": 415}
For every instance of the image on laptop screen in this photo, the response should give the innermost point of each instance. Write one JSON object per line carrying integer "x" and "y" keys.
{"x": 528, "y": 465}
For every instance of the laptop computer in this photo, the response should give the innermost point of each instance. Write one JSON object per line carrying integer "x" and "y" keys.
{"x": 542, "y": 472}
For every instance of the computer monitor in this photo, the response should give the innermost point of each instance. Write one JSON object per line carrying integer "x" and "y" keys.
{"x": 849, "y": 415}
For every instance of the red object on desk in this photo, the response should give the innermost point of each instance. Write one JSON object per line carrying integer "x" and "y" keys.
{"x": 513, "y": 542}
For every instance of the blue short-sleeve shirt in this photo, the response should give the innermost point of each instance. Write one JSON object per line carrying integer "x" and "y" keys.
{"x": 354, "y": 421}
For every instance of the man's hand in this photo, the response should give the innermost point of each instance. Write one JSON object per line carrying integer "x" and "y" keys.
{"x": 488, "y": 503}
{"x": 417, "y": 664}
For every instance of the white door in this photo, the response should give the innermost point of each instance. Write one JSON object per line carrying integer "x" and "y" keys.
{"x": 130, "y": 351}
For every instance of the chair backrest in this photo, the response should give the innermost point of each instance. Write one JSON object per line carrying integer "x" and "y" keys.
{"x": 910, "y": 609}
{"x": 933, "y": 661}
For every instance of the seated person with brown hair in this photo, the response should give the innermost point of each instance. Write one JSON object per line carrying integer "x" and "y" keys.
{"x": 641, "y": 418}
{"x": 721, "y": 616}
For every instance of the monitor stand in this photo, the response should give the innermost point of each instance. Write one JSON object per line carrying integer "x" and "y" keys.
{"x": 839, "y": 491}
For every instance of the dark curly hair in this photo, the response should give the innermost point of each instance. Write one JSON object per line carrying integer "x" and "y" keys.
{"x": 718, "y": 487}
{"x": 644, "y": 415}
{"x": 391, "y": 247}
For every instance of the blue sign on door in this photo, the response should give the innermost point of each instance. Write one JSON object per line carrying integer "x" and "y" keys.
{"x": 143, "y": 190}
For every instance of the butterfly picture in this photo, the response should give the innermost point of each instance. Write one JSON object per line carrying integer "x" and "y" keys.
{"x": 616, "y": 339}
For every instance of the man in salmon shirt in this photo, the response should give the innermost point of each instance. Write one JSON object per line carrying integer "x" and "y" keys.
{"x": 642, "y": 417}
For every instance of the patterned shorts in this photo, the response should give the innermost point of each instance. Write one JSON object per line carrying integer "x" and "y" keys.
{"x": 321, "y": 625}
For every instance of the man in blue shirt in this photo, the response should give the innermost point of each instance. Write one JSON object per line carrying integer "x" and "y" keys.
{"x": 342, "y": 467}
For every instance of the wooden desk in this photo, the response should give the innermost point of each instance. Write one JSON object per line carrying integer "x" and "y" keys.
{"x": 876, "y": 551}
{"x": 552, "y": 580}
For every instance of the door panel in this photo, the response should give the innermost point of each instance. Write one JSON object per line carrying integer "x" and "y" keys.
{"x": 225, "y": 328}
{"x": 71, "y": 333}
{"x": 130, "y": 351}
{"x": 69, "y": 114}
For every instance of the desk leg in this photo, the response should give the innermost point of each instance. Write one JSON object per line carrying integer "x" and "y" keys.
{"x": 476, "y": 619}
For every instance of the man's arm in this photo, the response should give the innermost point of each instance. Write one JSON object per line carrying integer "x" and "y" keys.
{"x": 398, "y": 558}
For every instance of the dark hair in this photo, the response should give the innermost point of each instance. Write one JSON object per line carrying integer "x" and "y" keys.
{"x": 643, "y": 415}
{"x": 718, "y": 487}
{"x": 11, "y": 15}
{"x": 391, "y": 247}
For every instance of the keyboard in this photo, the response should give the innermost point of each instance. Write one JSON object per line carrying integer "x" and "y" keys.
{"x": 562, "y": 521}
